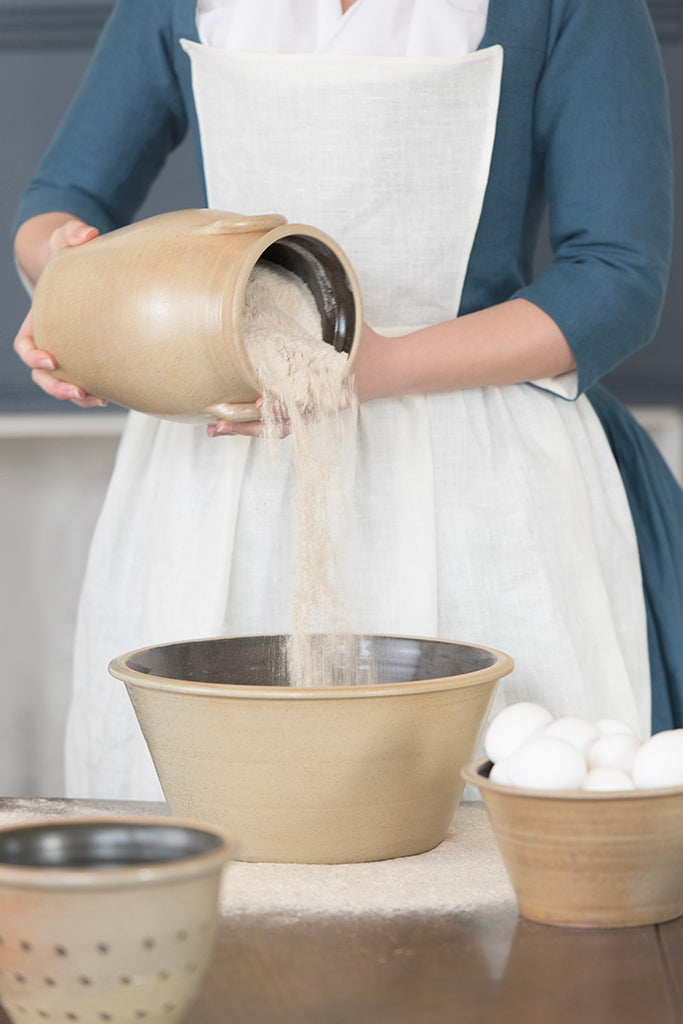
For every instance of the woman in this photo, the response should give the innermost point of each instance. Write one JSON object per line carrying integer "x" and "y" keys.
{"x": 425, "y": 138}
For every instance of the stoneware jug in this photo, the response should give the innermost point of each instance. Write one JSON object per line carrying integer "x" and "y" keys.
{"x": 149, "y": 315}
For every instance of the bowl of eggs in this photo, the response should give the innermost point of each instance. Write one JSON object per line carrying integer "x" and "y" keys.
{"x": 588, "y": 817}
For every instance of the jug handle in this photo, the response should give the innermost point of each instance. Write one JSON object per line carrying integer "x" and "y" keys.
{"x": 227, "y": 223}
{"x": 237, "y": 412}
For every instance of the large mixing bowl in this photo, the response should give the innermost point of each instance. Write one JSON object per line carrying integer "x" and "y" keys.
{"x": 328, "y": 774}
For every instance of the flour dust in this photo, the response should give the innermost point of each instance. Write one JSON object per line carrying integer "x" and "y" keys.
{"x": 304, "y": 382}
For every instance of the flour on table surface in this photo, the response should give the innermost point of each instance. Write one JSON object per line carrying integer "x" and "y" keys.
{"x": 463, "y": 874}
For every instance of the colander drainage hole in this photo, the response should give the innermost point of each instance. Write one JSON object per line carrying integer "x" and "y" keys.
{"x": 61, "y": 951}
{"x": 103, "y": 948}
{"x": 84, "y": 980}
{"x": 26, "y": 946}
{"x": 50, "y": 981}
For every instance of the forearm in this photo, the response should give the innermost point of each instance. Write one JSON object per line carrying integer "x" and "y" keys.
{"x": 506, "y": 344}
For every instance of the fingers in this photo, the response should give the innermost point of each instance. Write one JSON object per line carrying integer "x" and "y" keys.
{"x": 64, "y": 391}
{"x": 60, "y": 389}
{"x": 248, "y": 428}
{"x": 90, "y": 402}
{"x": 74, "y": 232}
{"x": 226, "y": 428}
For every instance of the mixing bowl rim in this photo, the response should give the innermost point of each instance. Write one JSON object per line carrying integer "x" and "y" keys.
{"x": 502, "y": 666}
{"x": 128, "y": 876}
{"x": 470, "y": 772}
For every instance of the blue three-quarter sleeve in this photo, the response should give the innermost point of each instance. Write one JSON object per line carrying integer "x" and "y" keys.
{"x": 126, "y": 117}
{"x": 602, "y": 131}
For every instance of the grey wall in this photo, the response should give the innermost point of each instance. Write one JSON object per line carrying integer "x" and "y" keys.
{"x": 44, "y": 47}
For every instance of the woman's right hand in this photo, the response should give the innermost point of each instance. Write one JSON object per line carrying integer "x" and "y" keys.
{"x": 40, "y": 362}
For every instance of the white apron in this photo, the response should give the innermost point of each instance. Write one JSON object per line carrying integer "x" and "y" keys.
{"x": 491, "y": 515}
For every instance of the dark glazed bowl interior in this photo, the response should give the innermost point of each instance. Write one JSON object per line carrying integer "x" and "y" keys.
{"x": 259, "y": 660}
{"x": 319, "y": 268}
{"x": 102, "y": 844}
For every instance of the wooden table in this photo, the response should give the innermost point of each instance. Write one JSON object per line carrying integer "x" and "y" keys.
{"x": 330, "y": 945}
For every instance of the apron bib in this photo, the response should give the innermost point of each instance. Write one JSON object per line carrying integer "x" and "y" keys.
{"x": 317, "y": 135}
{"x": 492, "y": 515}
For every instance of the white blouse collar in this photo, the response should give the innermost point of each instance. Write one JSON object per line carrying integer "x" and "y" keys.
{"x": 370, "y": 27}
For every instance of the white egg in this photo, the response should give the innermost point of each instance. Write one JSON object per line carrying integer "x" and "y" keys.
{"x": 546, "y": 762}
{"x": 608, "y": 726}
{"x": 615, "y": 750}
{"x": 513, "y": 726}
{"x": 499, "y": 773}
{"x": 577, "y": 731}
{"x": 659, "y": 761}
{"x": 607, "y": 780}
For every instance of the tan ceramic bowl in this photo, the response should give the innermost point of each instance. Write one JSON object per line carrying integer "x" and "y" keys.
{"x": 107, "y": 919}
{"x": 317, "y": 775}
{"x": 590, "y": 860}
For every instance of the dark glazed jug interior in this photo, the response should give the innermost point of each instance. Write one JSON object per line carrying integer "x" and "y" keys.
{"x": 320, "y": 269}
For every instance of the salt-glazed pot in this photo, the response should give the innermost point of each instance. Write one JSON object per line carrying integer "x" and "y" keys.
{"x": 149, "y": 315}
{"x": 588, "y": 859}
{"x": 327, "y": 774}
{"x": 107, "y": 919}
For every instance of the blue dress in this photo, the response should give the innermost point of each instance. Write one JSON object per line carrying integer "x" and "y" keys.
{"x": 572, "y": 68}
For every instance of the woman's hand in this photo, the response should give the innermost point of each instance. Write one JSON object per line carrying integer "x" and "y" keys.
{"x": 244, "y": 428}
{"x": 45, "y": 241}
